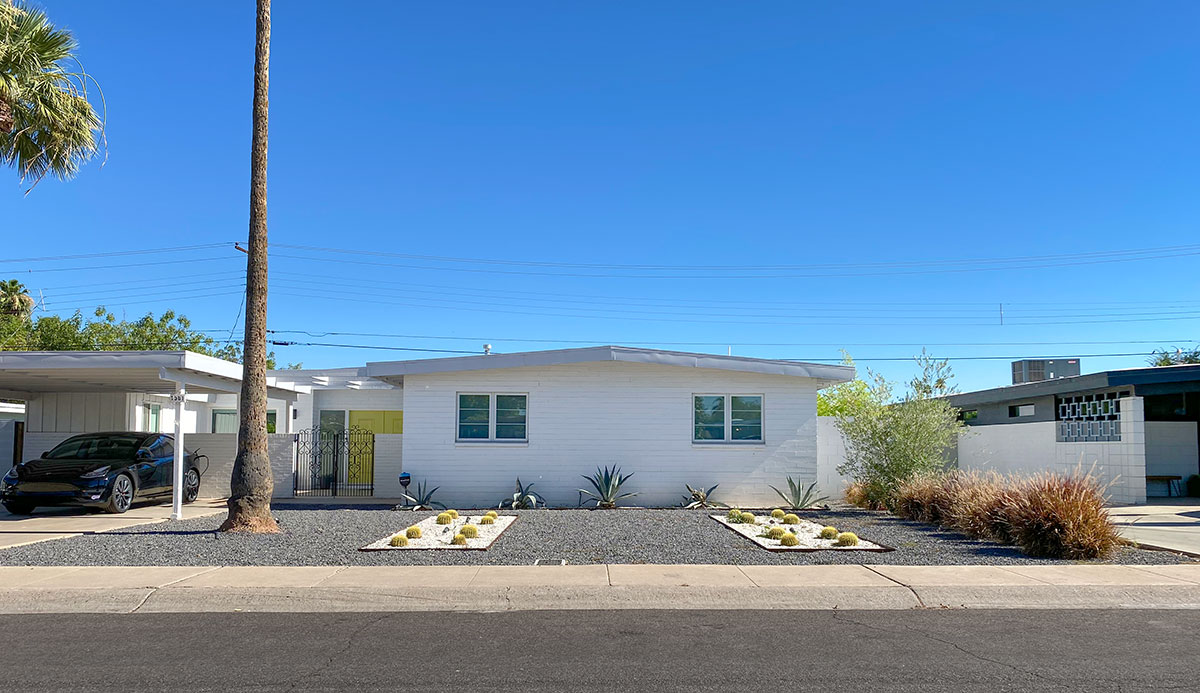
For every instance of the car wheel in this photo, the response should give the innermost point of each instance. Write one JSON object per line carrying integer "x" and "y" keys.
{"x": 20, "y": 508}
{"x": 121, "y": 496}
{"x": 191, "y": 485}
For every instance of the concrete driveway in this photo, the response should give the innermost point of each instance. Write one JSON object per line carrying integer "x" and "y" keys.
{"x": 1168, "y": 523}
{"x": 57, "y": 523}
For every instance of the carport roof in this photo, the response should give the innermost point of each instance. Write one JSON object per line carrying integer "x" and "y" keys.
{"x": 23, "y": 373}
{"x": 394, "y": 371}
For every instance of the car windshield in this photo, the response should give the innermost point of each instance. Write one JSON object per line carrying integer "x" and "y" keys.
{"x": 97, "y": 447}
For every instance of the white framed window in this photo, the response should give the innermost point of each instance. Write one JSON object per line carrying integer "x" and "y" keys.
{"x": 727, "y": 418}
{"x": 153, "y": 418}
{"x": 492, "y": 417}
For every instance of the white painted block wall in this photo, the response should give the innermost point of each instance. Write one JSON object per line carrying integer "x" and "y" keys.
{"x": 8, "y": 431}
{"x": 831, "y": 453}
{"x": 1170, "y": 449}
{"x": 638, "y": 416}
{"x": 1019, "y": 448}
{"x": 389, "y": 452}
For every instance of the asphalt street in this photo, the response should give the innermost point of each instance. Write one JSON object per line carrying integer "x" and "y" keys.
{"x": 927, "y": 650}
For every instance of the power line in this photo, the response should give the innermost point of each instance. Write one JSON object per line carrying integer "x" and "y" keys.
{"x": 116, "y": 253}
{"x": 122, "y": 266}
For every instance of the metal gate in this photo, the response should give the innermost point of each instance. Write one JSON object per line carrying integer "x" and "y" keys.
{"x": 334, "y": 463}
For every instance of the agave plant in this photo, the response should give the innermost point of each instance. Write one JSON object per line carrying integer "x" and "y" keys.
{"x": 606, "y": 485}
{"x": 798, "y": 497}
{"x": 523, "y": 498}
{"x": 700, "y": 498}
{"x": 423, "y": 500}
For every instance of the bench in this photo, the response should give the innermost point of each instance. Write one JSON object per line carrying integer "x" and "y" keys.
{"x": 1174, "y": 483}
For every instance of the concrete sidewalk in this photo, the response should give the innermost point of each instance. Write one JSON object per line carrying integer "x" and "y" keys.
{"x": 59, "y": 523}
{"x": 1172, "y": 524}
{"x": 509, "y": 588}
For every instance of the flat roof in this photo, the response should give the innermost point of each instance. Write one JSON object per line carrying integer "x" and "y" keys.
{"x": 394, "y": 371}
{"x": 1125, "y": 377}
{"x": 24, "y": 373}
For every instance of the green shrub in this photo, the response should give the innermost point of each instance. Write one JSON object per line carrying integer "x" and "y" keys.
{"x": 791, "y": 519}
{"x": 459, "y": 539}
{"x": 748, "y": 519}
{"x": 776, "y": 532}
{"x": 413, "y": 532}
{"x": 487, "y": 520}
{"x": 452, "y": 513}
{"x": 469, "y": 531}
{"x": 734, "y": 515}
{"x": 789, "y": 539}
{"x": 847, "y": 539}
{"x": 399, "y": 540}
{"x": 829, "y": 532}
{"x": 777, "y": 514}
{"x": 445, "y": 518}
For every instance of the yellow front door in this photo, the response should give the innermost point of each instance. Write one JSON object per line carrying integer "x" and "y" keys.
{"x": 377, "y": 422}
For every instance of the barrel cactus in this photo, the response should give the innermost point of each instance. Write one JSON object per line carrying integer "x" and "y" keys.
{"x": 413, "y": 532}
{"x": 734, "y": 516}
{"x": 452, "y": 513}
{"x": 829, "y": 532}
{"x": 445, "y": 518}
{"x": 399, "y": 540}
{"x": 791, "y": 519}
{"x": 748, "y": 518}
{"x": 469, "y": 531}
{"x": 776, "y": 532}
{"x": 789, "y": 539}
{"x": 847, "y": 539}
{"x": 459, "y": 539}
{"x": 492, "y": 514}
{"x": 777, "y": 514}
{"x": 487, "y": 520}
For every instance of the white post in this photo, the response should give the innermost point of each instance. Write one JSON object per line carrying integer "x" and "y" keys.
{"x": 178, "y": 398}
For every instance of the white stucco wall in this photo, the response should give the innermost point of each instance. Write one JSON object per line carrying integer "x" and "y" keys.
{"x": 1020, "y": 448}
{"x": 1171, "y": 450}
{"x": 638, "y": 416}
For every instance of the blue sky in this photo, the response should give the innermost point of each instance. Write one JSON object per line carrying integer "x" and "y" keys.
{"x": 687, "y": 135}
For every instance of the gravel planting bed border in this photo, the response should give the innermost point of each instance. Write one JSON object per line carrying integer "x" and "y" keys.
{"x": 435, "y": 537}
{"x": 805, "y": 531}
{"x": 331, "y": 535}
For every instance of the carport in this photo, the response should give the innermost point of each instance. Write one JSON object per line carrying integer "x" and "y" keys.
{"x": 30, "y": 375}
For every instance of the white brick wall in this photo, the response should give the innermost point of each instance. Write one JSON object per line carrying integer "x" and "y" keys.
{"x": 1018, "y": 448}
{"x": 281, "y": 447}
{"x": 638, "y": 416}
{"x": 831, "y": 453}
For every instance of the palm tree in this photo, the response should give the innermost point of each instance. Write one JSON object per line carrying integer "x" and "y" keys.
{"x": 251, "y": 484}
{"x": 15, "y": 299}
{"x": 47, "y": 125}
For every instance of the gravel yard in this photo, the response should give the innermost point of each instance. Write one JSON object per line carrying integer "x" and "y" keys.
{"x": 332, "y": 536}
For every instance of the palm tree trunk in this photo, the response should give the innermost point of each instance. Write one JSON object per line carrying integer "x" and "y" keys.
{"x": 251, "y": 485}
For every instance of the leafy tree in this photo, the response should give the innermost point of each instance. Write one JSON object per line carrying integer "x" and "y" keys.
{"x": 1177, "y": 357}
{"x": 251, "y": 483}
{"x": 837, "y": 399}
{"x": 889, "y": 440}
{"x": 47, "y": 124}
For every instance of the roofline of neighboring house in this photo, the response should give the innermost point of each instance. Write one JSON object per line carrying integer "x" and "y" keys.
{"x": 558, "y": 357}
{"x": 1126, "y": 377}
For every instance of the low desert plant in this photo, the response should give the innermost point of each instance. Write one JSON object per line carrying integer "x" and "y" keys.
{"x": 856, "y": 494}
{"x": 453, "y": 513}
{"x": 1062, "y": 516}
{"x": 492, "y": 514}
{"x": 798, "y": 497}
{"x": 700, "y": 498}
{"x": 734, "y": 515}
{"x": 422, "y": 500}
{"x": 523, "y": 498}
{"x": 487, "y": 520}
{"x": 413, "y": 532}
{"x": 828, "y": 532}
{"x": 445, "y": 518}
{"x": 789, "y": 539}
{"x": 748, "y": 519}
{"x": 776, "y": 532}
{"x": 777, "y": 514}
{"x": 469, "y": 531}
{"x": 606, "y": 487}
{"x": 791, "y": 519}
{"x": 847, "y": 539}
{"x": 459, "y": 539}
{"x": 399, "y": 540}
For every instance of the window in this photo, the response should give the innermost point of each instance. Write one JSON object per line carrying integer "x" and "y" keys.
{"x": 734, "y": 418}
{"x": 492, "y": 416}
{"x": 1020, "y": 410}
{"x": 153, "y": 417}
{"x": 271, "y": 419}
{"x": 224, "y": 421}
{"x": 968, "y": 415}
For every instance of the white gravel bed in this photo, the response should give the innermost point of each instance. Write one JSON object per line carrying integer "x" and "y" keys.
{"x": 808, "y": 535}
{"x": 435, "y": 536}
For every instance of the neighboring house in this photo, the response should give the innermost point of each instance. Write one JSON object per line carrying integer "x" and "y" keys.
{"x": 1136, "y": 427}
{"x": 470, "y": 425}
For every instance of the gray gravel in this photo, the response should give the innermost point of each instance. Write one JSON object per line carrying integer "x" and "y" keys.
{"x": 331, "y": 536}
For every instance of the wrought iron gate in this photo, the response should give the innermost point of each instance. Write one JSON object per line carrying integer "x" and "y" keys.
{"x": 334, "y": 463}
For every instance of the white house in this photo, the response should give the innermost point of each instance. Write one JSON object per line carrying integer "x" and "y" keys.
{"x": 470, "y": 425}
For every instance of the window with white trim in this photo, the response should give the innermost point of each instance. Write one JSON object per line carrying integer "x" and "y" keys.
{"x": 727, "y": 418}
{"x": 492, "y": 416}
